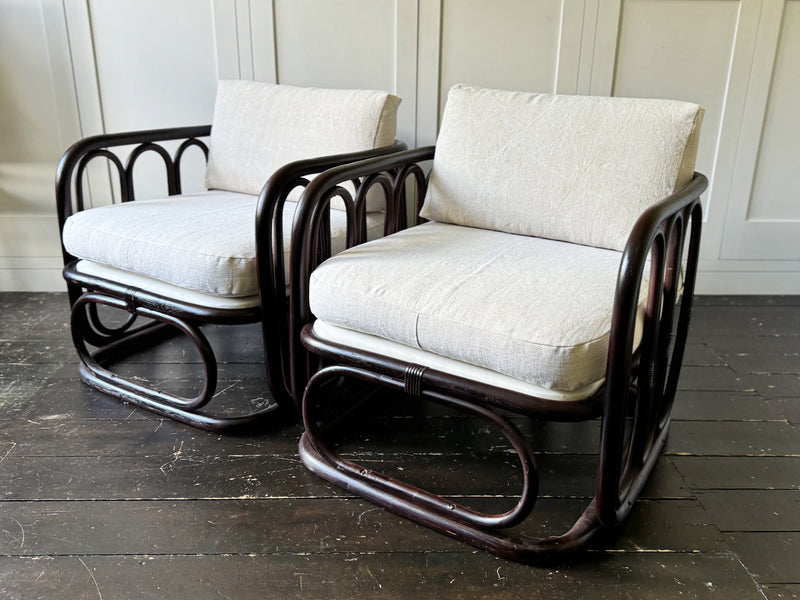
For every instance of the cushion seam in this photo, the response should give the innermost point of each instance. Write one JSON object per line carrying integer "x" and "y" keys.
{"x": 94, "y": 229}
{"x": 418, "y": 315}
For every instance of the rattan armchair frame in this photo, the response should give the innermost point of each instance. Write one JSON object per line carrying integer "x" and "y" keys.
{"x": 634, "y": 403}
{"x": 99, "y": 345}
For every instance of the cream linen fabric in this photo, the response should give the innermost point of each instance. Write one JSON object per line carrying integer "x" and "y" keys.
{"x": 203, "y": 242}
{"x": 382, "y": 347}
{"x": 572, "y": 168}
{"x": 167, "y": 290}
{"x": 533, "y": 309}
{"x": 259, "y": 127}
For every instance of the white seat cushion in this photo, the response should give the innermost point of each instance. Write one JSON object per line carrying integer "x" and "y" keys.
{"x": 259, "y": 127}
{"x": 167, "y": 290}
{"x": 571, "y": 168}
{"x": 203, "y": 242}
{"x": 382, "y": 347}
{"x": 533, "y": 309}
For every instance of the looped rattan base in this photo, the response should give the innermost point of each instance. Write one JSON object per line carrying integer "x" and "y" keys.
{"x": 485, "y": 531}
{"x": 116, "y": 344}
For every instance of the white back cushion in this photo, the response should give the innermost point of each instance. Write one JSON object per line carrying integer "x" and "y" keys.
{"x": 259, "y": 127}
{"x": 573, "y": 168}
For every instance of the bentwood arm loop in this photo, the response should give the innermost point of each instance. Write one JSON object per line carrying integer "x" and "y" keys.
{"x": 310, "y": 212}
{"x": 72, "y": 166}
{"x": 270, "y": 250}
{"x": 659, "y": 236}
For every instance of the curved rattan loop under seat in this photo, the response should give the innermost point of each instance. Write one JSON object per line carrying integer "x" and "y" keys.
{"x": 108, "y": 333}
{"x": 92, "y": 360}
{"x": 481, "y": 530}
{"x": 430, "y": 501}
{"x": 160, "y": 326}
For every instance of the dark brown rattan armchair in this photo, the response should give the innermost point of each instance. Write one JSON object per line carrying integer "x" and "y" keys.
{"x": 553, "y": 278}
{"x": 175, "y": 264}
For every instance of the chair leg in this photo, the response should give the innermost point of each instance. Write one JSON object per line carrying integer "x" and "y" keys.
{"x": 481, "y": 530}
{"x": 117, "y": 344}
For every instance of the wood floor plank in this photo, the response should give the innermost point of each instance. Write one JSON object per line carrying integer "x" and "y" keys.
{"x": 308, "y": 525}
{"x": 732, "y": 343}
{"x": 193, "y": 474}
{"x": 728, "y": 406}
{"x": 733, "y": 438}
{"x": 441, "y": 575}
{"x": 721, "y": 473}
{"x": 709, "y": 378}
{"x": 781, "y": 592}
{"x": 754, "y": 300}
{"x": 559, "y": 475}
{"x": 753, "y": 510}
{"x": 150, "y": 477}
{"x": 773, "y": 557}
{"x": 774, "y": 362}
{"x": 701, "y": 355}
{"x": 156, "y": 437}
{"x": 772, "y": 385}
{"x": 38, "y": 352}
{"x": 746, "y": 320}
{"x": 58, "y": 435}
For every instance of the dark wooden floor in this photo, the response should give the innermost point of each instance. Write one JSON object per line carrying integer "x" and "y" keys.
{"x": 100, "y": 500}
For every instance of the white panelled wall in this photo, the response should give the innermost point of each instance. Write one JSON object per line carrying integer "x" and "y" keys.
{"x": 72, "y": 68}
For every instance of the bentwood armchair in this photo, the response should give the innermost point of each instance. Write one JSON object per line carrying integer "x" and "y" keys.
{"x": 218, "y": 256}
{"x": 552, "y": 278}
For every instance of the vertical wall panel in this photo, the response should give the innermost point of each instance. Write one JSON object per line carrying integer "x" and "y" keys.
{"x": 155, "y": 65}
{"x": 155, "y": 62}
{"x": 429, "y": 49}
{"x": 763, "y": 224}
{"x": 31, "y": 139}
{"x": 262, "y": 39}
{"x": 349, "y": 44}
{"x": 506, "y": 44}
{"x": 343, "y": 44}
{"x": 678, "y": 49}
{"x": 776, "y": 189}
{"x": 682, "y": 49}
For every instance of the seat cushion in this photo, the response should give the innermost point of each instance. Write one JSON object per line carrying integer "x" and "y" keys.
{"x": 533, "y": 309}
{"x": 259, "y": 127}
{"x": 203, "y": 242}
{"x": 407, "y": 354}
{"x": 571, "y": 168}
{"x": 167, "y": 290}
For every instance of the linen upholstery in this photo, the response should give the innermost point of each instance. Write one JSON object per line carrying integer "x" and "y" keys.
{"x": 382, "y": 347}
{"x": 534, "y": 309}
{"x": 154, "y": 286}
{"x": 259, "y": 127}
{"x": 203, "y": 242}
{"x": 573, "y": 168}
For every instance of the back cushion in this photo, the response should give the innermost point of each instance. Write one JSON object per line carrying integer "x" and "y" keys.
{"x": 259, "y": 127}
{"x": 574, "y": 168}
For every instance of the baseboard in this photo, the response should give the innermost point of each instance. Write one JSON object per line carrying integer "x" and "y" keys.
{"x": 46, "y": 279}
{"x": 748, "y": 282}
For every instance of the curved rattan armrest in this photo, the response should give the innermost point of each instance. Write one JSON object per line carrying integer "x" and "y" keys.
{"x": 270, "y": 248}
{"x": 309, "y": 215}
{"x": 85, "y": 149}
{"x": 657, "y": 242}
{"x": 683, "y": 204}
